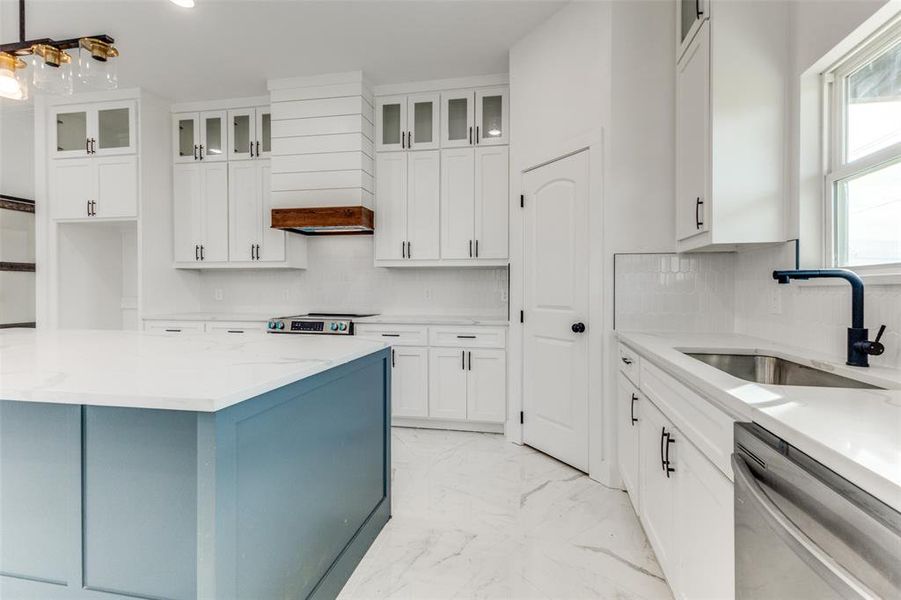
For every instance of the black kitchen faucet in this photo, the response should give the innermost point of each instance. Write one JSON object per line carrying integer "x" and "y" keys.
{"x": 860, "y": 348}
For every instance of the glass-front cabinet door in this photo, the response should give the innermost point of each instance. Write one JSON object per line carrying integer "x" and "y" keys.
{"x": 391, "y": 123}
{"x": 213, "y": 136}
{"x": 263, "y": 143}
{"x": 690, "y": 15}
{"x": 423, "y": 123}
{"x": 70, "y": 126}
{"x": 241, "y": 136}
{"x": 492, "y": 116}
{"x": 457, "y": 120}
{"x": 186, "y": 137}
{"x": 114, "y": 129}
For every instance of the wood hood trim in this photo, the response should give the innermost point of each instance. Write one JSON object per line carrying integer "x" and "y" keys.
{"x": 333, "y": 220}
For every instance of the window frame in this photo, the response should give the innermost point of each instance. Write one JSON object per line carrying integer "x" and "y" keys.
{"x": 835, "y": 166}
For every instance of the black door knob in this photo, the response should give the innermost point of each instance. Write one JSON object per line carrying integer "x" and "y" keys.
{"x": 578, "y": 327}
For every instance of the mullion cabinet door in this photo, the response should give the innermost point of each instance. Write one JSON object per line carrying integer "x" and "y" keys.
{"x": 71, "y": 134}
{"x": 492, "y": 117}
{"x": 241, "y": 134}
{"x": 186, "y": 137}
{"x": 112, "y": 129}
{"x": 423, "y": 122}
{"x": 213, "y": 136}
{"x": 391, "y": 123}
{"x": 457, "y": 118}
{"x": 263, "y": 132}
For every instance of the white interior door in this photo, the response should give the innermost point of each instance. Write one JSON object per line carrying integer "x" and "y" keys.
{"x": 447, "y": 383}
{"x": 423, "y": 204}
{"x": 555, "y": 292}
{"x": 244, "y": 209}
{"x": 457, "y": 203}
{"x": 409, "y": 381}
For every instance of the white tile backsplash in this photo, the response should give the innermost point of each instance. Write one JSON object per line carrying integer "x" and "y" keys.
{"x": 736, "y": 292}
{"x": 810, "y": 316}
{"x": 341, "y": 277}
{"x": 670, "y": 292}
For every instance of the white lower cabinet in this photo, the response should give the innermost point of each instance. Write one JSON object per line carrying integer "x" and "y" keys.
{"x": 629, "y": 406}
{"x": 684, "y": 500}
{"x": 445, "y": 375}
{"x": 409, "y": 381}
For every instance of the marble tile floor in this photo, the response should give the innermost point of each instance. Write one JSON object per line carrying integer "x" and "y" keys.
{"x": 475, "y": 516}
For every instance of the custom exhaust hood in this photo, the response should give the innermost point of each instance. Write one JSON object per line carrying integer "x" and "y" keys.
{"x": 330, "y": 220}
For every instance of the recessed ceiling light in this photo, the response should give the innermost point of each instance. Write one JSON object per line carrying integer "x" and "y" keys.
{"x": 183, "y": 3}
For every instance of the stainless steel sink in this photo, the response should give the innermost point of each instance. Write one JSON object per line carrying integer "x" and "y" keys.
{"x": 772, "y": 370}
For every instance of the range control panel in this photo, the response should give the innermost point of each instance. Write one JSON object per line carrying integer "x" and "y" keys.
{"x": 312, "y": 325}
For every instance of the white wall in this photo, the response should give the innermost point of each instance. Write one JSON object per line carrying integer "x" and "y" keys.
{"x": 597, "y": 75}
{"x": 341, "y": 277}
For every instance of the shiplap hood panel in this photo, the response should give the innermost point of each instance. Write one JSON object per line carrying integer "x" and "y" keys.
{"x": 322, "y": 149}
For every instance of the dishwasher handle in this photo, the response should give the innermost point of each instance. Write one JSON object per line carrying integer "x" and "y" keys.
{"x": 818, "y": 560}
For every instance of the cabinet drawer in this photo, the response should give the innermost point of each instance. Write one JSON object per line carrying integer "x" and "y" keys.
{"x": 396, "y": 335}
{"x": 705, "y": 425}
{"x": 174, "y": 326}
{"x": 630, "y": 364}
{"x": 468, "y": 337}
{"x": 235, "y": 327}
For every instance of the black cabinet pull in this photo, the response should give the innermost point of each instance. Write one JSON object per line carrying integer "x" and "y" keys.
{"x": 196, "y": 252}
{"x": 627, "y": 361}
{"x": 409, "y": 140}
{"x": 393, "y": 352}
{"x": 470, "y": 248}
{"x": 667, "y": 467}
{"x": 201, "y": 251}
{"x": 403, "y": 140}
{"x": 88, "y": 208}
{"x": 235, "y": 331}
{"x": 662, "y": 438}
{"x": 477, "y": 248}
{"x": 409, "y": 250}
{"x": 195, "y": 151}
{"x": 201, "y": 151}
{"x": 698, "y": 222}
{"x": 470, "y": 135}
{"x": 87, "y": 145}
{"x": 632, "y": 410}
{"x": 403, "y": 249}
{"x": 93, "y": 208}
{"x": 258, "y": 149}
{"x": 470, "y": 360}
{"x": 466, "y": 337}
{"x": 258, "y": 246}
{"x": 390, "y": 335}
{"x": 463, "y": 359}
{"x": 478, "y": 141}
{"x": 174, "y": 330}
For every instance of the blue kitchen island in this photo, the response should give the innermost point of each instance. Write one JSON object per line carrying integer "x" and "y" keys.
{"x": 138, "y": 465}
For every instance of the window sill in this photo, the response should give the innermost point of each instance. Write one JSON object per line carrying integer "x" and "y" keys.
{"x": 869, "y": 278}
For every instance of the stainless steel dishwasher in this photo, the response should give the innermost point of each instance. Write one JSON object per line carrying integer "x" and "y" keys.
{"x": 802, "y": 531}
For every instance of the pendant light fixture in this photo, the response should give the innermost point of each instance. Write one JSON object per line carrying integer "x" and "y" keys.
{"x": 50, "y": 65}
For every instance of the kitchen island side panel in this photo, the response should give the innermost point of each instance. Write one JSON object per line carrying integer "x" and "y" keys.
{"x": 276, "y": 497}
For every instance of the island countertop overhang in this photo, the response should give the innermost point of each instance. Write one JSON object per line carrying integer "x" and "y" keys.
{"x": 202, "y": 373}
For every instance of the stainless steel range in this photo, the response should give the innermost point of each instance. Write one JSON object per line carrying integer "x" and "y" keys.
{"x": 315, "y": 323}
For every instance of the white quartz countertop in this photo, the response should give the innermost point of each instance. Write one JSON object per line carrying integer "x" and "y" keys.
{"x": 854, "y": 432}
{"x": 194, "y": 372}
{"x": 208, "y": 316}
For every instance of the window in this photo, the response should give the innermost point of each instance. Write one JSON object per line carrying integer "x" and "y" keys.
{"x": 863, "y": 182}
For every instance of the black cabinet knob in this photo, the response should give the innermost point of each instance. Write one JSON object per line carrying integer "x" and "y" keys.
{"x": 578, "y": 327}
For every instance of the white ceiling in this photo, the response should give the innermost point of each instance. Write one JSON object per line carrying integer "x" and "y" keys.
{"x": 229, "y": 48}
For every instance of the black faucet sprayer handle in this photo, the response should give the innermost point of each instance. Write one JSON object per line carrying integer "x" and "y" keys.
{"x": 879, "y": 335}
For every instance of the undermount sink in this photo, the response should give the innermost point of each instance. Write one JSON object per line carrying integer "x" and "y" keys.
{"x": 772, "y": 370}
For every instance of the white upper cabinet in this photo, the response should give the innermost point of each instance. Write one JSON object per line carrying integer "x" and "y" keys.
{"x": 391, "y": 206}
{"x": 457, "y": 118}
{"x": 690, "y": 14}
{"x": 200, "y": 199}
{"x": 492, "y": 116}
{"x": 95, "y": 130}
{"x": 731, "y": 156}
{"x": 423, "y": 205}
{"x": 251, "y": 239}
{"x": 200, "y": 137}
{"x": 391, "y": 123}
{"x": 408, "y": 122}
{"x": 491, "y": 202}
{"x": 250, "y": 133}
{"x": 693, "y": 137}
{"x": 89, "y": 188}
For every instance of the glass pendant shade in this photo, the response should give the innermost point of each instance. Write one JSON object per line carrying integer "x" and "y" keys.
{"x": 12, "y": 82}
{"x": 94, "y": 73}
{"x": 52, "y": 79}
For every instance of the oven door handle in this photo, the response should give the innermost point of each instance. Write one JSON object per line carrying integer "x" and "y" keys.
{"x": 789, "y": 533}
